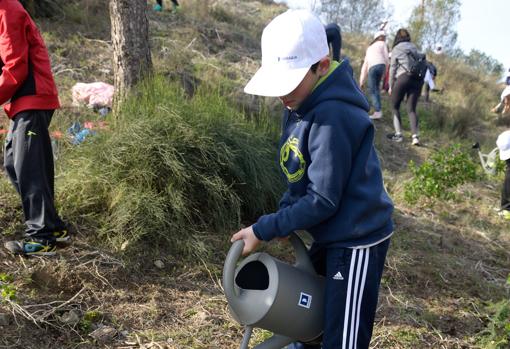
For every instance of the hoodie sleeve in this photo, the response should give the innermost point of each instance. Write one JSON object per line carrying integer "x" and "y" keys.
{"x": 331, "y": 147}
{"x": 13, "y": 52}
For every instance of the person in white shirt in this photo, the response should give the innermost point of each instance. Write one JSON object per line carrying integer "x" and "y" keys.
{"x": 374, "y": 67}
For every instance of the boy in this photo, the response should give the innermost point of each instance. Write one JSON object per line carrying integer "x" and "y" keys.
{"x": 26, "y": 84}
{"x": 335, "y": 187}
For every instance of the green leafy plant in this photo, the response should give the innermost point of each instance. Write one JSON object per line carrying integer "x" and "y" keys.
{"x": 497, "y": 333}
{"x": 7, "y": 290}
{"x": 89, "y": 318}
{"x": 444, "y": 170}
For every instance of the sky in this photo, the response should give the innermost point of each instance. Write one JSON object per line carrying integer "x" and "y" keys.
{"x": 483, "y": 24}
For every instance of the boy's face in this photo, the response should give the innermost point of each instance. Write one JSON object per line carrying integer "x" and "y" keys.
{"x": 294, "y": 99}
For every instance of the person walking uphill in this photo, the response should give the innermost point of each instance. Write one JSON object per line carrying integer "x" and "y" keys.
{"x": 27, "y": 85}
{"x": 334, "y": 183}
{"x": 402, "y": 83}
{"x": 374, "y": 66}
{"x": 503, "y": 143}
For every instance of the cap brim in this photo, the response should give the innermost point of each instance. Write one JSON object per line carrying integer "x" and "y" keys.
{"x": 504, "y": 155}
{"x": 275, "y": 82}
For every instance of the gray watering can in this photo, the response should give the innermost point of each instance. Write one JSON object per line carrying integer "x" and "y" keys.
{"x": 267, "y": 293}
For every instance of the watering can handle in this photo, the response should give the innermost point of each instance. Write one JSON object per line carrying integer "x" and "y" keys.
{"x": 303, "y": 261}
{"x": 229, "y": 269}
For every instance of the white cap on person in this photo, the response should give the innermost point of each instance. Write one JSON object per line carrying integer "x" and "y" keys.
{"x": 503, "y": 143}
{"x": 291, "y": 43}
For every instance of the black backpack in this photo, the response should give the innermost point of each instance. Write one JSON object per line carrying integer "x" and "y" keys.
{"x": 417, "y": 65}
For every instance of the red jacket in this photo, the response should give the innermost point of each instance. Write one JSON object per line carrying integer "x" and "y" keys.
{"x": 26, "y": 81}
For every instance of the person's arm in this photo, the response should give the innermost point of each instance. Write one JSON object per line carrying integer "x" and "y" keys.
{"x": 385, "y": 54}
{"x": 364, "y": 72}
{"x": 393, "y": 68}
{"x": 13, "y": 53}
{"x": 498, "y": 108}
{"x": 330, "y": 146}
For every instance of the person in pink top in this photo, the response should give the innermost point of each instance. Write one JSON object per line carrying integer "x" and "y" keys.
{"x": 374, "y": 67}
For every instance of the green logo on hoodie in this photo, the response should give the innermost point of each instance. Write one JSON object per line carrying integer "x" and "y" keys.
{"x": 292, "y": 146}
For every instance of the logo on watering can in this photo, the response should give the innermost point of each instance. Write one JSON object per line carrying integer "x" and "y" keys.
{"x": 305, "y": 300}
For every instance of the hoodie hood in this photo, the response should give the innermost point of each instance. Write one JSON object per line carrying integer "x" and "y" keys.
{"x": 339, "y": 85}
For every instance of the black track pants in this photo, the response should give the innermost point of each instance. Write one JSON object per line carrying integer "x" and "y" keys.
{"x": 28, "y": 161}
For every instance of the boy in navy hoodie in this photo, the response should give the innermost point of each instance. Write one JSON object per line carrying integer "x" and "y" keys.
{"x": 335, "y": 186}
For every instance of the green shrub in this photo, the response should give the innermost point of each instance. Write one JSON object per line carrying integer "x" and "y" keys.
{"x": 7, "y": 290}
{"x": 497, "y": 333}
{"x": 444, "y": 170}
{"x": 169, "y": 169}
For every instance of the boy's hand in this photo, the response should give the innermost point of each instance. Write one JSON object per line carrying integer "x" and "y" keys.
{"x": 250, "y": 240}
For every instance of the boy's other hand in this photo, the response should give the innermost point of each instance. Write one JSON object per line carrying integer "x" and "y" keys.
{"x": 250, "y": 240}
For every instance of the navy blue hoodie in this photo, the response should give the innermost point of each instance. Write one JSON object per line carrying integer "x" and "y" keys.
{"x": 327, "y": 155}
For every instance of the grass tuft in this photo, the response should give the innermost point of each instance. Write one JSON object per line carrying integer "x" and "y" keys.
{"x": 170, "y": 169}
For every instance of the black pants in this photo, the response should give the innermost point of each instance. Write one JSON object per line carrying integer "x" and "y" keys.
{"x": 353, "y": 277}
{"x": 505, "y": 193}
{"x": 160, "y": 2}
{"x": 410, "y": 87}
{"x": 28, "y": 161}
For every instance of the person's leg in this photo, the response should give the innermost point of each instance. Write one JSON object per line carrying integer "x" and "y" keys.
{"x": 372, "y": 86}
{"x": 505, "y": 192}
{"x": 9, "y": 157}
{"x": 426, "y": 92}
{"x": 369, "y": 294}
{"x": 175, "y": 5}
{"x": 397, "y": 95}
{"x": 159, "y": 6}
{"x": 352, "y": 286}
{"x": 34, "y": 170}
{"x": 378, "y": 75}
{"x": 412, "y": 101}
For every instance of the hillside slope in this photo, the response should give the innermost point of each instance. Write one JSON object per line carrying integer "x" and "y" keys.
{"x": 447, "y": 268}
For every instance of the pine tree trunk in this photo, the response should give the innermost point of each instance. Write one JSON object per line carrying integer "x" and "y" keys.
{"x": 131, "y": 51}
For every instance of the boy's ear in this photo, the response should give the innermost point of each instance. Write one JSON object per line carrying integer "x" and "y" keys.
{"x": 323, "y": 67}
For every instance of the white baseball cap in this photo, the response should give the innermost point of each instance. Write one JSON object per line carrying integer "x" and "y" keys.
{"x": 505, "y": 92}
{"x": 503, "y": 143}
{"x": 291, "y": 43}
{"x": 379, "y": 33}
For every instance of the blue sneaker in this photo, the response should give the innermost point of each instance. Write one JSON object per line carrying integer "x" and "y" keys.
{"x": 157, "y": 8}
{"x": 31, "y": 247}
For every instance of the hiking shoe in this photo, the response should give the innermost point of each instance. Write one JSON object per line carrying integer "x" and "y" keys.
{"x": 505, "y": 214}
{"x": 157, "y": 8}
{"x": 376, "y": 115}
{"x": 61, "y": 236}
{"x": 415, "y": 141}
{"x": 395, "y": 137}
{"x": 31, "y": 247}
